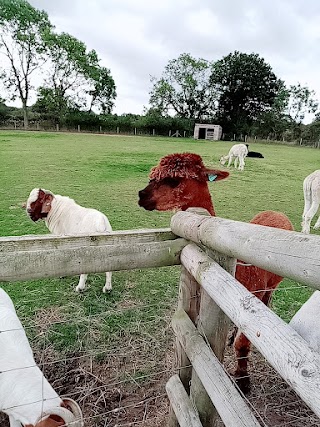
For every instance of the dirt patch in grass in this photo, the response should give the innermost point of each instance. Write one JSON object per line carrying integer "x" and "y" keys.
{"x": 124, "y": 383}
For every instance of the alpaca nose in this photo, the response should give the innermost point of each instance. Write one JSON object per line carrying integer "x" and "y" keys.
{"x": 142, "y": 193}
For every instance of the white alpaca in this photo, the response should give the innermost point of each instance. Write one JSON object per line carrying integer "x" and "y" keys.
{"x": 64, "y": 217}
{"x": 311, "y": 193}
{"x": 237, "y": 153}
{"x": 25, "y": 394}
{"x": 307, "y": 320}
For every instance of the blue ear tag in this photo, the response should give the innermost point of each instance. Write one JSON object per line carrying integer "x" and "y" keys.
{"x": 212, "y": 177}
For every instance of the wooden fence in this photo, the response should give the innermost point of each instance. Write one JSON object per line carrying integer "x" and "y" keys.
{"x": 201, "y": 319}
{"x": 209, "y": 296}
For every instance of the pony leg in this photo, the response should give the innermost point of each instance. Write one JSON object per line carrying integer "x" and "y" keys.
{"x": 82, "y": 283}
{"x": 108, "y": 285}
{"x": 242, "y": 349}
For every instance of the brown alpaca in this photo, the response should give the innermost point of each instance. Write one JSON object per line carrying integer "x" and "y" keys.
{"x": 179, "y": 182}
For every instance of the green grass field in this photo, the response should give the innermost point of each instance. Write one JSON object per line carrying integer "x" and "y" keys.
{"x": 106, "y": 173}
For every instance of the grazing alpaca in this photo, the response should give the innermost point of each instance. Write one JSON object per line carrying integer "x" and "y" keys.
{"x": 237, "y": 153}
{"x": 311, "y": 193}
{"x": 180, "y": 181}
{"x": 64, "y": 217}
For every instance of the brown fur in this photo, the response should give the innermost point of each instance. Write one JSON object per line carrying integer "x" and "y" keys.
{"x": 40, "y": 208}
{"x": 52, "y": 421}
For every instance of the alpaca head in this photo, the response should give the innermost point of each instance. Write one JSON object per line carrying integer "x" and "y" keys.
{"x": 178, "y": 182}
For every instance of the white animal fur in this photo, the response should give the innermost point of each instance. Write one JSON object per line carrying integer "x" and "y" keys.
{"x": 25, "y": 394}
{"x": 237, "y": 153}
{"x": 311, "y": 193}
{"x": 66, "y": 217}
{"x": 307, "y": 319}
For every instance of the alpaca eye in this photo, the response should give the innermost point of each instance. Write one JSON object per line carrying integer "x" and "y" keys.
{"x": 171, "y": 182}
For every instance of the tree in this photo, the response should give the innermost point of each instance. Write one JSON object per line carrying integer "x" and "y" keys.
{"x": 301, "y": 102}
{"x": 4, "y": 111}
{"x": 22, "y": 31}
{"x": 51, "y": 104}
{"x": 247, "y": 87}
{"x": 69, "y": 68}
{"x": 275, "y": 121}
{"x": 184, "y": 88}
{"x": 74, "y": 73}
{"x": 103, "y": 91}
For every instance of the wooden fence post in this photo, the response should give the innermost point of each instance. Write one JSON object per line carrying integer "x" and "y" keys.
{"x": 189, "y": 301}
{"x": 78, "y": 128}
{"x": 57, "y": 127}
{"x": 118, "y": 129}
{"x": 170, "y": 132}
{"x": 213, "y": 324}
{"x": 153, "y": 132}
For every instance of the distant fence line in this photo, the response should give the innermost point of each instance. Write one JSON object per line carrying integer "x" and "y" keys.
{"x": 135, "y": 131}
{"x": 37, "y": 126}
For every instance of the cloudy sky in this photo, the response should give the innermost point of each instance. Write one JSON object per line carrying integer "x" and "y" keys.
{"x": 137, "y": 38}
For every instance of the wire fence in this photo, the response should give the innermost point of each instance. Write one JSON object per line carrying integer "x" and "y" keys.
{"x": 123, "y": 384}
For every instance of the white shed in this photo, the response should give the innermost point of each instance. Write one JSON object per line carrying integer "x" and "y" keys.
{"x": 205, "y": 131}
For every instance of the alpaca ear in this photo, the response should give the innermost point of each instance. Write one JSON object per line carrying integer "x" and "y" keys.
{"x": 216, "y": 174}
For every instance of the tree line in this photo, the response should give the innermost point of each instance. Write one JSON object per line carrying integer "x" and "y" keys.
{"x": 240, "y": 91}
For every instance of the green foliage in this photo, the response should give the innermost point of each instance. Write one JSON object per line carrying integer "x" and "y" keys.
{"x": 4, "y": 111}
{"x": 75, "y": 73}
{"x": 22, "y": 31}
{"x": 275, "y": 122}
{"x": 247, "y": 88}
{"x": 184, "y": 88}
{"x": 301, "y": 102}
{"x": 103, "y": 91}
{"x": 51, "y": 104}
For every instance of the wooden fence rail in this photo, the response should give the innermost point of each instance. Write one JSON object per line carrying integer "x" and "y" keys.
{"x": 35, "y": 257}
{"x": 287, "y": 253}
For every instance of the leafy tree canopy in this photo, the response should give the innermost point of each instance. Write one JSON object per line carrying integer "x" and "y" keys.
{"x": 184, "y": 88}
{"x": 301, "y": 102}
{"x": 247, "y": 87}
{"x": 22, "y": 32}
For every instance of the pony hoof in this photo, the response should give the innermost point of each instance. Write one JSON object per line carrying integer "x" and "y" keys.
{"x": 243, "y": 383}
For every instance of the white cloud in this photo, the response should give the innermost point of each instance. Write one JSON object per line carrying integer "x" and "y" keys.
{"x": 136, "y": 39}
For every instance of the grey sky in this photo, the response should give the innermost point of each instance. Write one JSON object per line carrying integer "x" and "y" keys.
{"x": 136, "y": 38}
